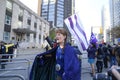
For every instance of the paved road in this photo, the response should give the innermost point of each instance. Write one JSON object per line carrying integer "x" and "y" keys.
{"x": 86, "y": 70}
{"x": 29, "y": 54}
{"x": 21, "y": 64}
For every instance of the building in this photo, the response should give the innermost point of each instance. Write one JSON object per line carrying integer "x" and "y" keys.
{"x": 55, "y": 11}
{"x": 114, "y": 17}
{"x": 115, "y": 12}
{"x": 20, "y": 24}
{"x": 106, "y": 23}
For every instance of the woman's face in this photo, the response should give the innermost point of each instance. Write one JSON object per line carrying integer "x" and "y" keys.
{"x": 60, "y": 38}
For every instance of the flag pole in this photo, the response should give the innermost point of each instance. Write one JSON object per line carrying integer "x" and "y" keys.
{"x": 91, "y": 29}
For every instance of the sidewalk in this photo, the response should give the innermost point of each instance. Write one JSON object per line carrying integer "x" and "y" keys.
{"x": 86, "y": 69}
{"x": 29, "y": 53}
{"x": 30, "y": 50}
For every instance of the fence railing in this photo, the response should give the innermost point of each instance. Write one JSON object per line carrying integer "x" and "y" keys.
{"x": 11, "y": 66}
{"x": 19, "y": 77}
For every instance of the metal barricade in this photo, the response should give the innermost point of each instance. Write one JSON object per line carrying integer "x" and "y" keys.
{"x": 20, "y": 77}
{"x": 13, "y": 61}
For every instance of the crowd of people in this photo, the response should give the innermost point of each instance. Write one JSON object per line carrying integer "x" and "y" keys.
{"x": 6, "y": 52}
{"x": 61, "y": 62}
{"x": 103, "y": 56}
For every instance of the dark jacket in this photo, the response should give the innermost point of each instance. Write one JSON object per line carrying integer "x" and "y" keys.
{"x": 91, "y": 52}
{"x": 44, "y": 65}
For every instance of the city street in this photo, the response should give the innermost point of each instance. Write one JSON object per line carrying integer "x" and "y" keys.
{"x": 32, "y": 24}
{"x": 22, "y": 63}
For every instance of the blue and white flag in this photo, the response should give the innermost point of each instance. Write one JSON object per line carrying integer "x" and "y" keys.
{"x": 77, "y": 30}
{"x": 93, "y": 38}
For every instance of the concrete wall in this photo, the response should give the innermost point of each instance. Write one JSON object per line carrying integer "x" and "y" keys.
{"x": 2, "y": 17}
{"x": 27, "y": 13}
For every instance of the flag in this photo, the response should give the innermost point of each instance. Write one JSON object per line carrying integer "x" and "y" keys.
{"x": 93, "y": 38}
{"x": 77, "y": 31}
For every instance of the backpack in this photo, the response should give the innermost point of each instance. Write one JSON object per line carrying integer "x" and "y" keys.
{"x": 100, "y": 53}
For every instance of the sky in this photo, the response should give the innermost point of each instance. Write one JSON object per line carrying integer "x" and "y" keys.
{"x": 89, "y": 11}
{"x": 32, "y": 4}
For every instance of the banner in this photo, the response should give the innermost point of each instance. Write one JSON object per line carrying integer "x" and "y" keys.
{"x": 77, "y": 31}
{"x": 93, "y": 38}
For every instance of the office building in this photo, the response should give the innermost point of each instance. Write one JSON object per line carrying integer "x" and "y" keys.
{"x": 106, "y": 23}
{"x": 20, "y": 24}
{"x": 55, "y": 11}
{"x": 115, "y": 12}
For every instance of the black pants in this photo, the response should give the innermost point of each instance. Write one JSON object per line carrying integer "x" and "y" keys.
{"x": 105, "y": 62}
{"x": 99, "y": 65}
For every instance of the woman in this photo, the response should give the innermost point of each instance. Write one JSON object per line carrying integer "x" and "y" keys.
{"x": 59, "y": 63}
{"x": 91, "y": 56}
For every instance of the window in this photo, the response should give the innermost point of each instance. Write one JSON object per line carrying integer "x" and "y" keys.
{"x": 7, "y": 20}
{"x": 9, "y": 5}
{"x": 35, "y": 25}
{"x": 28, "y": 37}
{"x": 40, "y": 27}
{"x": 6, "y": 36}
{"x": 28, "y": 21}
{"x": 34, "y": 37}
{"x": 20, "y": 16}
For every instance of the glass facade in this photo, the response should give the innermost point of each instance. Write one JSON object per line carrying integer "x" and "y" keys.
{"x": 55, "y": 11}
{"x": 48, "y": 10}
{"x": 115, "y": 12}
{"x": 60, "y": 13}
{"x": 51, "y": 12}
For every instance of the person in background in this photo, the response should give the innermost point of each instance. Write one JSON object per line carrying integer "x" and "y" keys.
{"x": 114, "y": 72}
{"x": 3, "y": 52}
{"x": 99, "y": 57}
{"x": 11, "y": 48}
{"x": 91, "y": 56}
{"x": 106, "y": 55}
{"x": 16, "y": 49}
{"x": 59, "y": 63}
{"x": 112, "y": 55}
{"x": 117, "y": 53}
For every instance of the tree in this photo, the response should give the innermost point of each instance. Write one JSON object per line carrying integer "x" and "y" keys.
{"x": 52, "y": 34}
{"x": 115, "y": 32}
